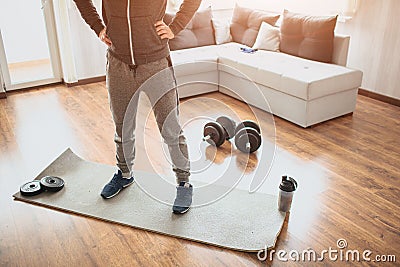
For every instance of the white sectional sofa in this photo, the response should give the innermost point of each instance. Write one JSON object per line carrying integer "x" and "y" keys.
{"x": 302, "y": 91}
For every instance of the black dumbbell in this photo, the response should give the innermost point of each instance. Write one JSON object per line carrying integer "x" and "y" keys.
{"x": 248, "y": 136}
{"x": 216, "y": 132}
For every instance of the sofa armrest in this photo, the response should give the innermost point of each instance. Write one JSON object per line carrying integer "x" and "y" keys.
{"x": 340, "y": 49}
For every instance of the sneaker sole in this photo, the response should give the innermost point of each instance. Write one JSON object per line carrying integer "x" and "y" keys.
{"x": 128, "y": 184}
{"x": 117, "y": 191}
{"x": 181, "y": 212}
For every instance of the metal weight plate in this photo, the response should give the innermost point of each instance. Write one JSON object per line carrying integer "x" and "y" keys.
{"x": 248, "y": 135}
{"x": 216, "y": 133}
{"x": 32, "y": 188}
{"x": 249, "y": 124}
{"x": 52, "y": 183}
{"x": 229, "y": 125}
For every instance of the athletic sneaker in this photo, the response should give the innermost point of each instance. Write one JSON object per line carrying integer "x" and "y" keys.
{"x": 183, "y": 200}
{"x": 116, "y": 184}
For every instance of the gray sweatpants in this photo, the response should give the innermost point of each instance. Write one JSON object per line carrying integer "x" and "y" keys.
{"x": 123, "y": 82}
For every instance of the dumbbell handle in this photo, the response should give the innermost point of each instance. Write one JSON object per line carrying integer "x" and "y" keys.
{"x": 248, "y": 146}
{"x": 207, "y": 137}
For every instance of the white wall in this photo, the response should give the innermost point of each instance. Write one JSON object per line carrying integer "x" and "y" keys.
{"x": 309, "y": 6}
{"x": 23, "y": 30}
{"x": 375, "y": 45}
{"x": 318, "y": 7}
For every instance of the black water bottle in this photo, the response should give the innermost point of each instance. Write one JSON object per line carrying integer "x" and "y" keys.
{"x": 286, "y": 190}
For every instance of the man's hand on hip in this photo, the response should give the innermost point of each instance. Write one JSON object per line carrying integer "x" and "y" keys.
{"x": 104, "y": 38}
{"x": 163, "y": 30}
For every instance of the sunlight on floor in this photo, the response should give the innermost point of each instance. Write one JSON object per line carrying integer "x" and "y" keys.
{"x": 30, "y": 71}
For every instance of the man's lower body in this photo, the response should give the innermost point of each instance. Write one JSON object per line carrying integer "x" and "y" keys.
{"x": 123, "y": 84}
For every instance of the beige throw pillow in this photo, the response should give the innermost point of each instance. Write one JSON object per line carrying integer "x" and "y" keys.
{"x": 308, "y": 36}
{"x": 222, "y": 30}
{"x": 267, "y": 38}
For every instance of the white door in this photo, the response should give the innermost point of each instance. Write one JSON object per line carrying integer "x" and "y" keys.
{"x": 2, "y": 83}
{"x": 4, "y": 74}
{"x": 28, "y": 44}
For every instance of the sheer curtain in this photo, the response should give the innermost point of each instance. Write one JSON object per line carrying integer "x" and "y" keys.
{"x": 61, "y": 14}
{"x": 75, "y": 56}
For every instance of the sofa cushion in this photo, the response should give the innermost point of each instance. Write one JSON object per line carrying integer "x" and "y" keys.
{"x": 302, "y": 78}
{"x": 268, "y": 38}
{"x": 195, "y": 60}
{"x": 235, "y": 62}
{"x": 246, "y": 23}
{"x": 310, "y": 37}
{"x": 199, "y": 31}
{"x": 306, "y": 79}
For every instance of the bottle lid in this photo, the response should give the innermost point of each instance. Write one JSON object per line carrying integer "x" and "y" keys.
{"x": 288, "y": 184}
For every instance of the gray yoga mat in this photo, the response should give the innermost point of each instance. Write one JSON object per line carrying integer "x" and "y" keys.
{"x": 239, "y": 221}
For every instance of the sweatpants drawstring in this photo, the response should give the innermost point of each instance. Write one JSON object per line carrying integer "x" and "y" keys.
{"x": 133, "y": 67}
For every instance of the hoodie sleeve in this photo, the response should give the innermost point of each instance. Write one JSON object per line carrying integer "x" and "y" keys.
{"x": 89, "y": 14}
{"x": 184, "y": 15}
